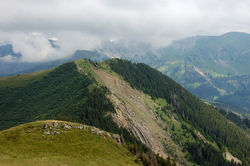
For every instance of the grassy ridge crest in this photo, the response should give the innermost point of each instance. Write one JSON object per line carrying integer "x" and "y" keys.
{"x": 70, "y": 144}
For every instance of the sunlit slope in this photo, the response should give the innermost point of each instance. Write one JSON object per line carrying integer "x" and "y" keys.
{"x": 60, "y": 143}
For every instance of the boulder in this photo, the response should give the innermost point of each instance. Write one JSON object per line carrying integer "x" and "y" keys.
{"x": 67, "y": 126}
{"x": 99, "y": 133}
{"x": 55, "y": 124}
{"x": 80, "y": 127}
{"x": 47, "y": 132}
{"x": 44, "y": 126}
{"x": 117, "y": 138}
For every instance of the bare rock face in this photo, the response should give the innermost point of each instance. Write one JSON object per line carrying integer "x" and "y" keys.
{"x": 125, "y": 117}
{"x": 134, "y": 111}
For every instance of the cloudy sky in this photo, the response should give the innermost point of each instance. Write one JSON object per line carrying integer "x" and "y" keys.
{"x": 84, "y": 24}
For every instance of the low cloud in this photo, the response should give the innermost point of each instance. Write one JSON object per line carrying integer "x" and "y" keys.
{"x": 8, "y": 58}
{"x": 78, "y": 24}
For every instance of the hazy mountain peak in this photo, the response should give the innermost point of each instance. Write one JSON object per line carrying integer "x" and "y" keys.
{"x": 7, "y": 49}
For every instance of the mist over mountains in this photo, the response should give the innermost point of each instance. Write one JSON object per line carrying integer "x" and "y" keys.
{"x": 215, "y": 68}
{"x": 114, "y": 82}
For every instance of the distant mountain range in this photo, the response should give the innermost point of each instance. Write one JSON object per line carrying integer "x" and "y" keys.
{"x": 215, "y": 68}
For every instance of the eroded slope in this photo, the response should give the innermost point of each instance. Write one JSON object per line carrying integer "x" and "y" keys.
{"x": 137, "y": 113}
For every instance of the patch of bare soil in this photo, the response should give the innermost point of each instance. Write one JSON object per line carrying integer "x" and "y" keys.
{"x": 230, "y": 157}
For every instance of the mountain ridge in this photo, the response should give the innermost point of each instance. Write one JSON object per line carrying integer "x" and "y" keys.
{"x": 97, "y": 94}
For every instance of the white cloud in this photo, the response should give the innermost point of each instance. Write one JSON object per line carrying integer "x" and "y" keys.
{"x": 8, "y": 58}
{"x": 83, "y": 24}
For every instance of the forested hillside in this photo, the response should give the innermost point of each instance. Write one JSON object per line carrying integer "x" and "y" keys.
{"x": 68, "y": 92}
{"x": 189, "y": 108}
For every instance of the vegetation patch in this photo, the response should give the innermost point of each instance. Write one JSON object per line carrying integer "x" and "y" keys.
{"x": 66, "y": 144}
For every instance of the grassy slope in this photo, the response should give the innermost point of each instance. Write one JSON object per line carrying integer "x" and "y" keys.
{"x": 22, "y": 80}
{"x": 27, "y": 145}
